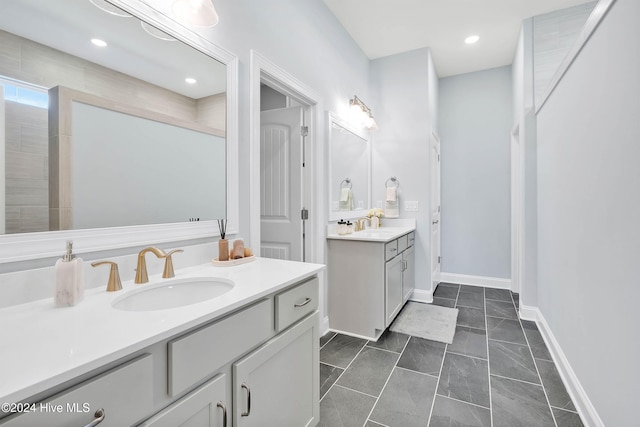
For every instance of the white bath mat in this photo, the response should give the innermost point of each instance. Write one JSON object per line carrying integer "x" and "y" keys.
{"x": 427, "y": 321}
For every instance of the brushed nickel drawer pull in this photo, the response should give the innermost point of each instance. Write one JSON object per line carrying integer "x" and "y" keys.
{"x": 248, "y": 412}
{"x": 99, "y": 417}
{"x": 302, "y": 304}
{"x": 224, "y": 413}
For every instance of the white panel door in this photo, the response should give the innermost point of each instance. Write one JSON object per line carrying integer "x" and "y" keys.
{"x": 281, "y": 183}
{"x": 435, "y": 209}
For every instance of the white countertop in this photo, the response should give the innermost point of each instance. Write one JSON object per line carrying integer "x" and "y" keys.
{"x": 42, "y": 346}
{"x": 382, "y": 234}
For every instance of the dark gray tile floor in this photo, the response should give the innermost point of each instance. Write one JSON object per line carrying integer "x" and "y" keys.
{"x": 497, "y": 372}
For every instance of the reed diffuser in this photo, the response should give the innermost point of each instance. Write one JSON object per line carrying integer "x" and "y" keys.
{"x": 223, "y": 244}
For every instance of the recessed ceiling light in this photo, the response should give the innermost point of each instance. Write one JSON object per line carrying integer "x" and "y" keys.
{"x": 471, "y": 39}
{"x": 190, "y": 80}
{"x": 98, "y": 42}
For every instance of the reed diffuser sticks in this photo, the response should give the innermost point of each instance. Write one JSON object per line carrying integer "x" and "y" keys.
{"x": 222, "y": 226}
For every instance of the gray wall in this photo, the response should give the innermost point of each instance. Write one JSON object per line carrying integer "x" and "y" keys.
{"x": 405, "y": 91}
{"x": 588, "y": 204}
{"x": 475, "y": 124}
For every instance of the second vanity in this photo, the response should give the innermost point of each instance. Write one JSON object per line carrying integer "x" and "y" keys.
{"x": 371, "y": 276}
{"x": 248, "y": 357}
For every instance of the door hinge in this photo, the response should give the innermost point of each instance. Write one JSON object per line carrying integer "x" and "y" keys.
{"x": 438, "y": 208}
{"x": 304, "y": 130}
{"x": 304, "y": 214}
{"x": 438, "y": 157}
{"x": 439, "y": 259}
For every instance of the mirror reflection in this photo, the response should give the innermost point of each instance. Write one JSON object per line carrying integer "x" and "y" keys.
{"x": 140, "y": 124}
{"x": 349, "y": 158}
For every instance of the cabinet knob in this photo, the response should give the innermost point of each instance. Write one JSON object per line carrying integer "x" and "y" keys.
{"x": 99, "y": 417}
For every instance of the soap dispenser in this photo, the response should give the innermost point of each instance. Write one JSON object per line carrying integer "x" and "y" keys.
{"x": 69, "y": 279}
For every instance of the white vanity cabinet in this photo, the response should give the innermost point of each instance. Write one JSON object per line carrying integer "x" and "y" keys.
{"x": 369, "y": 282}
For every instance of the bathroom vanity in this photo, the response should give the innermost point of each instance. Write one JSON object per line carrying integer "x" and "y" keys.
{"x": 248, "y": 357}
{"x": 371, "y": 276}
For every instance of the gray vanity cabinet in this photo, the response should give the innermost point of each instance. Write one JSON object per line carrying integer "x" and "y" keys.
{"x": 206, "y": 406}
{"x": 278, "y": 384}
{"x": 258, "y": 366}
{"x": 369, "y": 282}
{"x": 393, "y": 288}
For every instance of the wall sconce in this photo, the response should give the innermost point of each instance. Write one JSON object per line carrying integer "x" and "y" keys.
{"x": 362, "y": 113}
{"x": 195, "y": 13}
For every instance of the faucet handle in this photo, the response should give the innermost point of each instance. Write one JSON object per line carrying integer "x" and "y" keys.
{"x": 168, "y": 264}
{"x": 114, "y": 283}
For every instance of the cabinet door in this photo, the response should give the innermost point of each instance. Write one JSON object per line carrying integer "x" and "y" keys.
{"x": 204, "y": 407}
{"x": 393, "y": 288}
{"x": 409, "y": 274}
{"x": 278, "y": 384}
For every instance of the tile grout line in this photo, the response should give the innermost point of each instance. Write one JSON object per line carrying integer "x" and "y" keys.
{"x": 345, "y": 369}
{"x": 486, "y": 325}
{"x": 544, "y": 390}
{"x": 444, "y": 355}
{"x": 386, "y": 382}
{"x": 462, "y": 401}
{"x": 516, "y": 379}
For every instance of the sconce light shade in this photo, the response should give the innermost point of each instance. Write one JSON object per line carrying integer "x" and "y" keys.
{"x": 362, "y": 113}
{"x": 195, "y": 13}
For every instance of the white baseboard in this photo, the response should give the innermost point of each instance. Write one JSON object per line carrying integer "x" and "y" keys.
{"x": 324, "y": 325}
{"x": 420, "y": 295}
{"x": 587, "y": 411}
{"x": 487, "y": 282}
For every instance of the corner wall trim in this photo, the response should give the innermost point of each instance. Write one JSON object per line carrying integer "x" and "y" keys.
{"x": 420, "y": 295}
{"x": 324, "y": 325}
{"x": 584, "y": 406}
{"x": 487, "y": 282}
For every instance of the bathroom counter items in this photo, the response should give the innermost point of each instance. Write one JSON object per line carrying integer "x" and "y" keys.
{"x": 384, "y": 234}
{"x": 43, "y": 346}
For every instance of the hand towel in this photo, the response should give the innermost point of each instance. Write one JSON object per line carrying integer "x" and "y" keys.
{"x": 344, "y": 194}
{"x": 392, "y": 194}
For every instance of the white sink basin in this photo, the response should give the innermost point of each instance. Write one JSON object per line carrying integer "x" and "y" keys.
{"x": 172, "y": 294}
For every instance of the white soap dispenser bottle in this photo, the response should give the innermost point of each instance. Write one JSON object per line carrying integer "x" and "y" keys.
{"x": 69, "y": 279}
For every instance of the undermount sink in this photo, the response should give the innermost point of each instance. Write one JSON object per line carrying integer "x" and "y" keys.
{"x": 172, "y": 294}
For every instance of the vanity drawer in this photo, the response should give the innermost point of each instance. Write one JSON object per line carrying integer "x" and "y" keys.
{"x": 195, "y": 356}
{"x": 403, "y": 243}
{"x": 411, "y": 238}
{"x": 124, "y": 393}
{"x": 391, "y": 250}
{"x": 295, "y": 303}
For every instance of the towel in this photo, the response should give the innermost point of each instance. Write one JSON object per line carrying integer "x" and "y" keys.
{"x": 346, "y": 199}
{"x": 392, "y": 194}
{"x": 345, "y": 193}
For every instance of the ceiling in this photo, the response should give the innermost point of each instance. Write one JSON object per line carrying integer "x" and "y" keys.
{"x": 387, "y": 27}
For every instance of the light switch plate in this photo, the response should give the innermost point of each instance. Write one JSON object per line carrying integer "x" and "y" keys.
{"x": 411, "y": 206}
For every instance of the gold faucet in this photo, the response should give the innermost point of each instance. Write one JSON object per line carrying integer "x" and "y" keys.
{"x": 168, "y": 264}
{"x": 141, "y": 269}
{"x": 114, "y": 283}
{"x": 360, "y": 223}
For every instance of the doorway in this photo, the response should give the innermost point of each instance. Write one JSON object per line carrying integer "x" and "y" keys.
{"x": 517, "y": 169}
{"x": 282, "y": 135}
{"x": 281, "y": 164}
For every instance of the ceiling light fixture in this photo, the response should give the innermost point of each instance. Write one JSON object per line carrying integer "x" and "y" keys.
{"x": 190, "y": 80}
{"x": 471, "y": 39}
{"x": 109, "y": 8}
{"x": 99, "y": 42}
{"x": 195, "y": 13}
{"x": 362, "y": 113}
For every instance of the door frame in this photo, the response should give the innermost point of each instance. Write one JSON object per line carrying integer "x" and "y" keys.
{"x": 435, "y": 138}
{"x": 265, "y": 71}
{"x": 517, "y": 208}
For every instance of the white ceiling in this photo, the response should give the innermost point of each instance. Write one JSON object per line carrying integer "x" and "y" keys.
{"x": 387, "y": 27}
